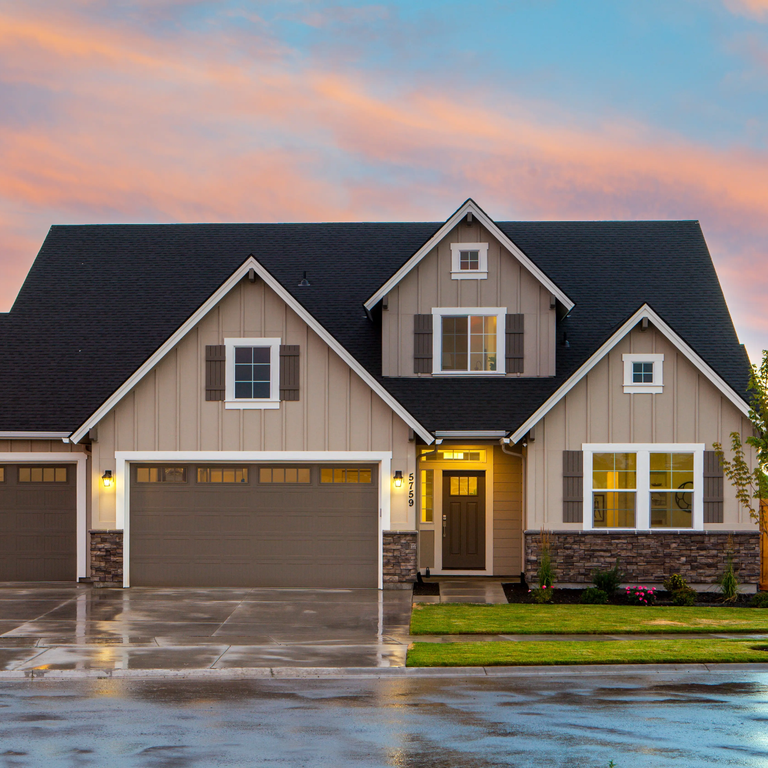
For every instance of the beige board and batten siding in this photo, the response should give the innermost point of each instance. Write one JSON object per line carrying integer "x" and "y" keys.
{"x": 509, "y": 284}
{"x": 689, "y": 410}
{"x": 336, "y": 410}
{"x": 507, "y": 513}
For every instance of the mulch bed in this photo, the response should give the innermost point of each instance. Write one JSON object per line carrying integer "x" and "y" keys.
{"x": 426, "y": 588}
{"x": 518, "y": 593}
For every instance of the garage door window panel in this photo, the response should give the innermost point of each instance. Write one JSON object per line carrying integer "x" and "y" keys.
{"x": 297, "y": 475}
{"x": 342, "y": 475}
{"x": 222, "y": 475}
{"x": 161, "y": 474}
{"x": 42, "y": 474}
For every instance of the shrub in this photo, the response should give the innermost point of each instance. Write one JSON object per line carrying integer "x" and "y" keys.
{"x": 760, "y": 600}
{"x": 675, "y": 583}
{"x": 685, "y": 596}
{"x": 546, "y": 574}
{"x": 641, "y": 595}
{"x": 594, "y": 596}
{"x": 609, "y": 580}
{"x": 729, "y": 584}
{"x": 543, "y": 594}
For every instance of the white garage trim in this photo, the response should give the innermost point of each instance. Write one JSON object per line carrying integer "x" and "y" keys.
{"x": 81, "y": 459}
{"x": 123, "y": 487}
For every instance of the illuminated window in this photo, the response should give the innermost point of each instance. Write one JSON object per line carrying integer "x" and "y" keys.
{"x": 427, "y": 495}
{"x": 222, "y": 475}
{"x": 463, "y": 486}
{"x": 336, "y": 475}
{"x": 672, "y": 489}
{"x": 2, "y": 474}
{"x": 455, "y": 455}
{"x": 469, "y": 341}
{"x": 161, "y": 474}
{"x": 614, "y": 481}
{"x": 284, "y": 475}
{"x": 42, "y": 474}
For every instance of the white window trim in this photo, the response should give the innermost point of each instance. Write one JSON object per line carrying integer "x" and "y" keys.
{"x": 438, "y": 313}
{"x": 271, "y": 402}
{"x": 643, "y": 489}
{"x": 481, "y": 273}
{"x": 655, "y": 387}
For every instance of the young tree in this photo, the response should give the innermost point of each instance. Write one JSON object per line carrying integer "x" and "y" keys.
{"x": 751, "y": 484}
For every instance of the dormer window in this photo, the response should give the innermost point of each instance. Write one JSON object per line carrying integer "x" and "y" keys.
{"x": 468, "y": 341}
{"x": 643, "y": 374}
{"x": 469, "y": 261}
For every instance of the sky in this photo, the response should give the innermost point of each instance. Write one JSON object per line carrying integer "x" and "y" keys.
{"x": 299, "y": 110}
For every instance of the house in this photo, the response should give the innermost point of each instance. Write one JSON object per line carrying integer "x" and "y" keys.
{"x": 337, "y": 405}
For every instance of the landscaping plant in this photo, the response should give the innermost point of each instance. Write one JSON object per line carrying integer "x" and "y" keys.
{"x": 609, "y": 580}
{"x": 546, "y": 573}
{"x": 594, "y": 596}
{"x": 678, "y": 588}
{"x": 760, "y": 600}
{"x": 751, "y": 484}
{"x": 641, "y": 595}
{"x": 729, "y": 584}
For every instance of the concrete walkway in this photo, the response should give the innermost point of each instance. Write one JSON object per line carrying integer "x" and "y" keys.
{"x": 472, "y": 590}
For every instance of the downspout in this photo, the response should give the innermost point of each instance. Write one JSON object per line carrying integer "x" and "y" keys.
{"x": 504, "y": 443}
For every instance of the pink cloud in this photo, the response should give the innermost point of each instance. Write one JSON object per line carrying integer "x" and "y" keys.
{"x": 755, "y": 9}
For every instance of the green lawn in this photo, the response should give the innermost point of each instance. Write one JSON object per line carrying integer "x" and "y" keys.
{"x": 527, "y": 619}
{"x": 649, "y": 651}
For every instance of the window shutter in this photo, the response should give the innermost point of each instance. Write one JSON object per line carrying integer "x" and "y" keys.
{"x": 713, "y": 488}
{"x": 573, "y": 486}
{"x": 215, "y": 371}
{"x": 515, "y": 343}
{"x": 289, "y": 371}
{"x": 422, "y": 343}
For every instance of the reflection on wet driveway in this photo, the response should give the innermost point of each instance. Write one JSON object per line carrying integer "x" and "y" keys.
{"x": 643, "y": 721}
{"x": 76, "y": 627}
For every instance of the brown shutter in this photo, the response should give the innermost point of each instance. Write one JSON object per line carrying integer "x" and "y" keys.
{"x": 289, "y": 371}
{"x": 515, "y": 343}
{"x": 422, "y": 343}
{"x": 215, "y": 371}
{"x": 573, "y": 486}
{"x": 713, "y": 488}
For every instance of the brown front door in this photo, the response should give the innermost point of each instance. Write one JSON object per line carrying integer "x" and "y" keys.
{"x": 464, "y": 520}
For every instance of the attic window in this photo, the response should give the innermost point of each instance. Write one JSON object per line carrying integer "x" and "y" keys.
{"x": 469, "y": 261}
{"x": 643, "y": 374}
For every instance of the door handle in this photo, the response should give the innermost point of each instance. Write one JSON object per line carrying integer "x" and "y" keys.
{"x": 445, "y": 525}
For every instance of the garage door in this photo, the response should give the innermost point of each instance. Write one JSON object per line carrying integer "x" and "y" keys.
{"x": 254, "y": 525}
{"x": 38, "y": 519}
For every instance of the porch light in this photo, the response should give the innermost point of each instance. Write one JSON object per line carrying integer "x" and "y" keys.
{"x": 106, "y": 478}
{"x": 398, "y": 478}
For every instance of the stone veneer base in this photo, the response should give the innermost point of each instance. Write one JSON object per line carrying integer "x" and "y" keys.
{"x": 106, "y": 556}
{"x": 400, "y": 559}
{"x": 699, "y": 557}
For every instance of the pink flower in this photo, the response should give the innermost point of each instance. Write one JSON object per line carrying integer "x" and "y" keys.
{"x": 544, "y": 586}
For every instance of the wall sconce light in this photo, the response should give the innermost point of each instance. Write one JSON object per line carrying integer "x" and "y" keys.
{"x": 398, "y": 478}
{"x": 106, "y": 478}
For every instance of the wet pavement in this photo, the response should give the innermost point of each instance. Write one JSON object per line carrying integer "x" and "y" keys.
{"x": 664, "y": 721}
{"x": 71, "y": 627}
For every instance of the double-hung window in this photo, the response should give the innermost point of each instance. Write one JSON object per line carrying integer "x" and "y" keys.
{"x": 643, "y": 486}
{"x": 252, "y": 375}
{"x": 468, "y": 341}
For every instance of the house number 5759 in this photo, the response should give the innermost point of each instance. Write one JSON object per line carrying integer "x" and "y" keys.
{"x": 411, "y": 493}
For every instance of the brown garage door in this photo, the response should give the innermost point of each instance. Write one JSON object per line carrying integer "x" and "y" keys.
{"x": 38, "y": 522}
{"x": 254, "y": 525}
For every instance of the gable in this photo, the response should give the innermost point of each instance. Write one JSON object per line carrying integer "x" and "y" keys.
{"x": 469, "y": 213}
{"x": 286, "y": 305}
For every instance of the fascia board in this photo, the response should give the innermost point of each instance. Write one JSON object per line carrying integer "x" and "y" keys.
{"x": 207, "y": 306}
{"x": 34, "y": 435}
{"x": 490, "y": 225}
{"x": 644, "y": 311}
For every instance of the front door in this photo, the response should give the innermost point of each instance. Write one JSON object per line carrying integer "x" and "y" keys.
{"x": 464, "y": 520}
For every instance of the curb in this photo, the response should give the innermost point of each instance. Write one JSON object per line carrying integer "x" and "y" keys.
{"x": 373, "y": 673}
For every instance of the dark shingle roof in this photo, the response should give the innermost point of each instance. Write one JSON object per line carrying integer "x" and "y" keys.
{"x": 100, "y": 299}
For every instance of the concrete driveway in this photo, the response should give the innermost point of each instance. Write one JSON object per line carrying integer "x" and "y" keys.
{"x": 75, "y": 627}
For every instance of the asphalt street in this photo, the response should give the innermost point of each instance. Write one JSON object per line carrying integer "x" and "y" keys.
{"x": 579, "y": 722}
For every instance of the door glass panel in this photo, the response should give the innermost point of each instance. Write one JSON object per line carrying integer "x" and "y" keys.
{"x": 463, "y": 486}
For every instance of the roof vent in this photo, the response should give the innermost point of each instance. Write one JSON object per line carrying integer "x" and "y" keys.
{"x": 304, "y": 283}
{"x": 469, "y": 217}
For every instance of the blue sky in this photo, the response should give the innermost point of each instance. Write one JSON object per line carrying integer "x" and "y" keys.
{"x": 171, "y": 110}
